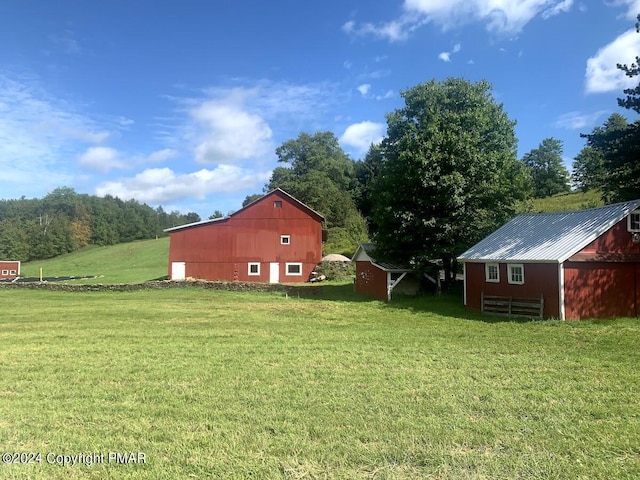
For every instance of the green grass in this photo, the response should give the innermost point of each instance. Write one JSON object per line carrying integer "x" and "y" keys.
{"x": 123, "y": 263}
{"x": 568, "y": 201}
{"x": 212, "y": 384}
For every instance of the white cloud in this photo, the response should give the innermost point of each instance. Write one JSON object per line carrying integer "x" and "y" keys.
{"x": 632, "y": 10}
{"x": 162, "y": 185}
{"x": 446, "y": 56}
{"x": 602, "y": 75}
{"x": 39, "y": 136}
{"x": 362, "y": 135}
{"x": 389, "y": 94}
{"x": 229, "y": 133}
{"x": 578, "y": 120}
{"x": 101, "y": 159}
{"x": 364, "y": 89}
{"x": 504, "y": 17}
{"x": 161, "y": 155}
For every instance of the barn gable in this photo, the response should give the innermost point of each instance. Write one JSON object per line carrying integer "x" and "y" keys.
{"x": 582, "y": 262}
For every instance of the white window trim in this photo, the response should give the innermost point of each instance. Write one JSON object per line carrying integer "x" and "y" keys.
{"x": 486, "y": 272}
{"x": 285, "y": 239}
{"x": 634, "y": 213}
{"x": 289, "y": 274}
{"x": 510, "y": 266}
{"x": 12, "y": 272}
{"x": 5, "y": 272}
{"x": 251, "y": 274}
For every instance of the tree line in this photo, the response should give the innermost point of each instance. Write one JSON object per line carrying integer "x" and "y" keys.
{"x": 64, "y": 221}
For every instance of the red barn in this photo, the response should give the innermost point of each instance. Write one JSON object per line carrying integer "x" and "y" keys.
{"x": 274, "y": 239}
{"x": 583, "y": 264}
{"x": 380, "y": 279}
{"x": 9, "y": 269}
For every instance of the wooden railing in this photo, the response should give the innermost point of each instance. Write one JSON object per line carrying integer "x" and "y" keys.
{"x": 512, "y": 306}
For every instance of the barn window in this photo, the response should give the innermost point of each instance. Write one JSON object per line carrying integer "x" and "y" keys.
{"x": 516, "y": 273}
{"x": 277, "y": 204}
{"x": 294, "y": 269}
{"x": 12, "y": 272}
{"x": 5, "y": 272}
{"x": 634, "y": 221}
{"x": 254, "y": 268}
{"x": 285, "y": 239}
{"x": 492, "y": 272}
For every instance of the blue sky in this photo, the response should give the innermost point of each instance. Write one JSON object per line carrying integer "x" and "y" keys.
{"x": 182, "y": 104}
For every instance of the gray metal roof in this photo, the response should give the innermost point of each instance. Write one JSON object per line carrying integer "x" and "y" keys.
{"x": 548, "y": 237}
{"x": 364, "y": 253}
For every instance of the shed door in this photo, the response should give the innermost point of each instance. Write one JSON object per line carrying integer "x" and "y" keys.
{"x": 274, "y": 272}
{"x": 178, "y": 270}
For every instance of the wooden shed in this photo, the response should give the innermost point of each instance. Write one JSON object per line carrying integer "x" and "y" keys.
{"x": 274, "y": 239}
{"x": 581, "y": 264}
{"x": 381, "y": 279}
{"x": 9, "y": 269}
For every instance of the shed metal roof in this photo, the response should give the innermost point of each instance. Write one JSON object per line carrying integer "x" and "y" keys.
{"x": 364, "y": 253}
{"x": 548, "y": 237}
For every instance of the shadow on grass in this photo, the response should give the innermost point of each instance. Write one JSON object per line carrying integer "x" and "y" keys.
{"x": 448, "y": 304}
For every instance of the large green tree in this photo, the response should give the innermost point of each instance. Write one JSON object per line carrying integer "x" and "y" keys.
{"x": 321, "y": 175}
{"x": 449, "y": 173}
{"x": 548, "y": 173}
{"x": 589, "y": 170}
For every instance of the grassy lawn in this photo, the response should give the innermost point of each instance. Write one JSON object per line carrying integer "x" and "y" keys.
{"x": 245, "y": 385}
{"x": 132, "y": 262}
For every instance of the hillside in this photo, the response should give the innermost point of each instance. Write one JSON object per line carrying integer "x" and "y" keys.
{"x": 568, "y": 201}
{"x": 123, "y": 263}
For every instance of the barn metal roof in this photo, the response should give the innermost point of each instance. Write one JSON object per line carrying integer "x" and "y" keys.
{"x": 548, "y": 237}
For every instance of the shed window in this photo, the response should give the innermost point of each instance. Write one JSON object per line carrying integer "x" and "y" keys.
{"x": 294, "y": 269}
{"x": 516, "y": 273}
{"x": 492, "y": 272}
{"x": 634, "y": 221}
{"x": 5, "y": 272}
{"x": 12, "y": 272}
{"x": 254, "y": 268}
{"x": 277, "y": 204}
{"x": 285, "y": 239}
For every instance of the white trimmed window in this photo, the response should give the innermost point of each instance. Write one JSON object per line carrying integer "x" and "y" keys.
{"x": 634, "y": 221}
{"x": 492, "y": 272}
{"x": 294, "y": 269}
{"x": 12, "y": 272}
{"x": 254, "y": 268}
{"x": 285, "y": 239}
{"x": 5, "y": 272}
{"x": 516, "y": 273}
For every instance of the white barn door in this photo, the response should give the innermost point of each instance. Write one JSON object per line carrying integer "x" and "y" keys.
{"x": 274, "y": 272}
{"x": 178, "y": 270}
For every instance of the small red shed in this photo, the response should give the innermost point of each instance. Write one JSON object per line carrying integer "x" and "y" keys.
{"x": 274, "y": 239}
{"x": 9, "y": 269}
{"x": 380, "y": 279}
{"x": 583, "y": 264}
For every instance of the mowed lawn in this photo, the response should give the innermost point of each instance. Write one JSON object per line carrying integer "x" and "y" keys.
{"x": 211, "y": 384}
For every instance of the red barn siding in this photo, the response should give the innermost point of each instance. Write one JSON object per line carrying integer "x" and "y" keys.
{"x": 9, "y": 266}
{"x": 222, "y": 250}
{"x": 370, "y": 280}
{"x": 615, "y": 240}
{"x": 601, "y": 290}
{"x": 539, "y": 279}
